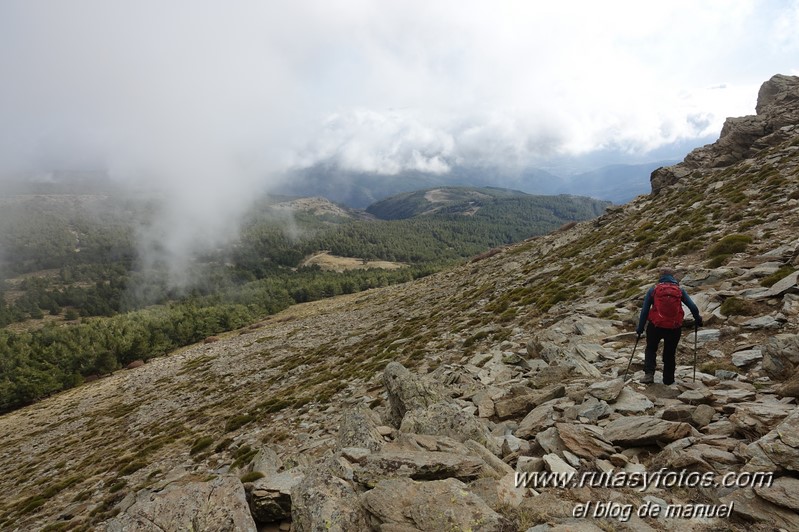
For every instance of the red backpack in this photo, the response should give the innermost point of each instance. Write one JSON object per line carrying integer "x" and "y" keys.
{"x": 666, "y": 311}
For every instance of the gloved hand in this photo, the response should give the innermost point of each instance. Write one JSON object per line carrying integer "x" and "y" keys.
{"x": 699, "y": 321}
{"x": 639, "y": 332}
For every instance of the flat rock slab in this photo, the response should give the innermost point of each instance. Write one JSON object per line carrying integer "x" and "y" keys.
{"x": 682, "y": 413}
{"x": 633, "y": 431}
{"x": 660, "y": 391}
{"x": 591, "y": 409}
{"x": 418, "y": 465}
{"x": 556, "y": 464}
{"x": 759, "y": 418}
{"x": 403, "y": 504}
{"x": 747, "y": 357}
{"x": 606, "y": 390}
{"x": 219, "y": 504}
{"x": 783, "y": 285}
{"x": 703, "y": 415}
{"x": 708, "y": 335}
{"x": 549, "y": 375}
{"x": 747, "y": 504}
{"x": 697, "y": 396}
{"x": 631, "y": 402}
{"x": 735, "y": 395}
{"x": 781, "y": 445}
{"x": 762, "y": 322}
{"x": 445, "y": 419}
{"x": 784, "y": 492}
{"x": 540, "y": 418}
{"x": 506, "y": 408}
{"x": 586, "y": 441}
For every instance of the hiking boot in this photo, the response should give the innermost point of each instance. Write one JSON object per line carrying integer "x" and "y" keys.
{"x": 649, "y": 378}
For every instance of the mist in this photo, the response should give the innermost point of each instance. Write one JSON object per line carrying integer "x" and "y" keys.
{"x": 212, "y": 104}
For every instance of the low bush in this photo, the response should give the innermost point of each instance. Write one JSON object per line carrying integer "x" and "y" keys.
{"x": 777, "y": 276}
{"x": 734, "y": 306}
{"x": 730, "y": 244}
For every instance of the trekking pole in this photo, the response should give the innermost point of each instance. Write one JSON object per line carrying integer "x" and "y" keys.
{"x": 696, "y": 334}
{"x": 631, "y": 358}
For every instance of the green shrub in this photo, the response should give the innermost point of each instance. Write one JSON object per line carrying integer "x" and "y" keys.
{"x": 237, "y": 422}
{"x": 201, "y": 444}
{"x": 608, "y": 313}
{"x": 734, "y": 306}
{"x": 475, "y": 338}
{"x": 729, "y": 244}
{"x": 116, "y": 486}
{"x": 132, "y": 467}
{"x": 251, "y": 476}
{"x": 776, "y": 276}
{"x": 720, "y": 260}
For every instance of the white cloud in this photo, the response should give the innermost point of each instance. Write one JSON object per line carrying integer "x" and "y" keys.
{"x": 209, "y": 99}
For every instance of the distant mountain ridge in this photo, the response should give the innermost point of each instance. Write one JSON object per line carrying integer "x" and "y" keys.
{"x": 618, "y": 183}
{"x": 468, "y": 201}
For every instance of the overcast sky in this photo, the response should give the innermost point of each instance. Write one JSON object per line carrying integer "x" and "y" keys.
{"x": 200, "y": 95}
{"x": 373, "y": 85}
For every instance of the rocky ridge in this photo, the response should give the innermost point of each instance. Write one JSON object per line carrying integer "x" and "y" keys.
{"x": 415, "y": 406}
{"x": 741, "y": 137}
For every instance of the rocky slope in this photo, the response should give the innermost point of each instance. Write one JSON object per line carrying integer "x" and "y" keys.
{"x": 414, "y": 406}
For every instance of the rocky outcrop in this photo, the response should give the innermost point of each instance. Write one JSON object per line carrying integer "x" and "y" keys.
{"x": 359, "y": 429}
{"x": 402, "y": 504}
{"x": 219, "y": 504}
{"x": 270, "y": 497}
{"x": 406, "y": 392}
{"x": 776, "y": 119}
{"x": 323, "y": 501}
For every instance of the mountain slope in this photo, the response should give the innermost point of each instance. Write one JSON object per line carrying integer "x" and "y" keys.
{"x": 484, "y": 201}
{"x": 538, "y": 329}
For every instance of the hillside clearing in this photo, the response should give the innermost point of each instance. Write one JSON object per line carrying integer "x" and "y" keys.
{"x": 329, "y": 262}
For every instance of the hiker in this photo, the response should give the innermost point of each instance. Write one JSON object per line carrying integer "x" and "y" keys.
{"x": 663, "y": 309}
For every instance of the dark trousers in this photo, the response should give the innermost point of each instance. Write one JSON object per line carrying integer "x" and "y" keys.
{"x": 670, "y": 337}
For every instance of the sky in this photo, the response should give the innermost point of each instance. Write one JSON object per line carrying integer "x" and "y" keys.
{"x": 210, "y": 100}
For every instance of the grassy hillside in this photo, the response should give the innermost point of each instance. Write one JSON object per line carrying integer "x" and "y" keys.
{"x": 75, "y": 303}
{"x": 472, "y": 200}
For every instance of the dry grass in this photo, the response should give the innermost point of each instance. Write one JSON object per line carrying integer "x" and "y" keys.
{"x": 329, "y": 262}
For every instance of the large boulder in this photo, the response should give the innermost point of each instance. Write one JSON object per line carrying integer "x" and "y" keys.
{"x": 780, "y": 447}
{"x": 358, "y": 428}
{"x": 781, "y": 356}
{"x": 267, "y": 461}
{"x": 755, "y": 419}
{"x": 784, "y": 492}
{"x": 219, "y": 504}
{"x": 403, "y": 504}
{"x": 406, "y": 392}
{"x": 323, "y": 502}
{"x": 446, "y": 419}
{"x": 270, "y": 497}
{"x": 753, "y": 508}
